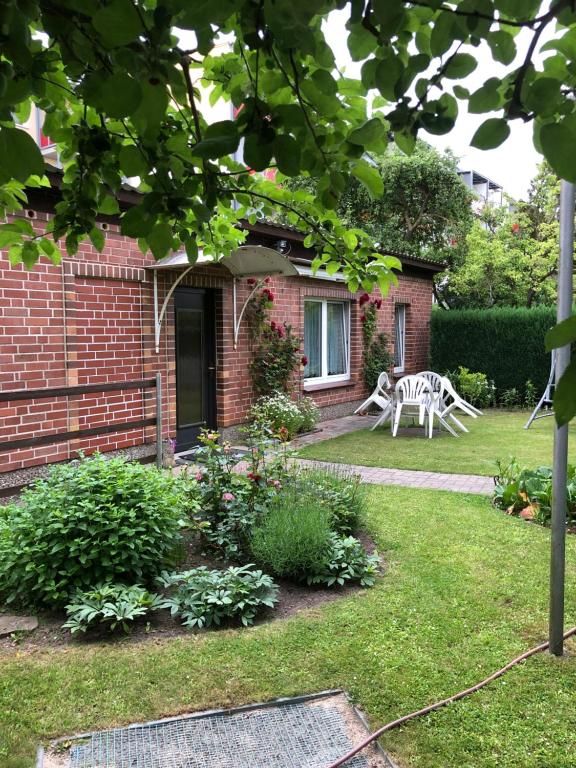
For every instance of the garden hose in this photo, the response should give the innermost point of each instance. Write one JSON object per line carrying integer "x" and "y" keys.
{"x": 444, "y": 702}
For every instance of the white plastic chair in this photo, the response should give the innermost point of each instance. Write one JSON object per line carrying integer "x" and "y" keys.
{"x": 414, "y": 397}
{"x": 457, "y": 402}
{"x": 379, "y": 397}
{"x": 434, "y": 379}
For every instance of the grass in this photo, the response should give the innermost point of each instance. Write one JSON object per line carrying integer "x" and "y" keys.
{"x": 465, "y": 591}
{"x": 497, "y": 434}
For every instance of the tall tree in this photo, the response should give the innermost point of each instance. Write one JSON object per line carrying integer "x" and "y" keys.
{"x": 424, "y": 209}
{"x": 511, "y": 254}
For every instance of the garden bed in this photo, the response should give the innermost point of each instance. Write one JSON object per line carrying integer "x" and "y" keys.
{"x": 160, "y": 625}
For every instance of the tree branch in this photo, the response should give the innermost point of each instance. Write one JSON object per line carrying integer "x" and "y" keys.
{"x": 191, "y": 99}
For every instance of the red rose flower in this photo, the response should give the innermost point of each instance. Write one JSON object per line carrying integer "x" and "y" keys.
{"x": 363, "y": 299}
{"x": 280, "y": 332}
{"x": 362, "y": 318}
{"x": 251, "y": 281}
{"x": 273, "y": 325}
{"x": 377, "y": 303}
{"x": 268, "y": 280}
{"x": 304, "y": 360}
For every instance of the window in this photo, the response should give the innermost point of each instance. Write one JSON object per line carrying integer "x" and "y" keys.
{"x": 399, "y": 337}
{"x": 326, "y": 340}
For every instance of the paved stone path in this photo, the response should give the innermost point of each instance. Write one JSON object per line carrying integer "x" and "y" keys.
{"x": 409, "y": 478}
{"x": 385, "y": 476}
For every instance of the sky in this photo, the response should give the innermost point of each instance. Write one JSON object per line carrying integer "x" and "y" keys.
{"x": 511, "y": 165}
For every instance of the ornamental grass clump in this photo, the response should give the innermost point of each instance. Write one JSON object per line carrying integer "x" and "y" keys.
{"x": 89, "y": 522}
{"x": 293, "y": 537}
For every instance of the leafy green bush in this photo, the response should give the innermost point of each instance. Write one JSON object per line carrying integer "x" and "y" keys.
{"x": 507, "y": 344}
{"x": 90, "y": 522}
{"x": 473, "y": 387}
{"x": 292, "y": 538}
{"x": 203, "y": 597}
{"x": 110, "y": 604}
{"x": 510, "y": 398}
{"x": 530, "y": 396}
{"x": 283, "y": 416}
{"x": 340, "y": 492}
{"x": 346, "y": 560}
{"x": 528, "y": 492}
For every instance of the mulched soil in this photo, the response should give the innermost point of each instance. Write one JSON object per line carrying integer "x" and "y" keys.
{"x": 159, "y": 625}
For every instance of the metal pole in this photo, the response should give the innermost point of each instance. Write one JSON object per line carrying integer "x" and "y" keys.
{"x": 560, "y": 462}
{"x": 159, "y": 420}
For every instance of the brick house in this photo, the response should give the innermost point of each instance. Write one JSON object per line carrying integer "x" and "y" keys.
{"x": 95, "y": 320}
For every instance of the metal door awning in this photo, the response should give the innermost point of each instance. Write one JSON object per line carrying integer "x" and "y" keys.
{"x": 245, "y": 261}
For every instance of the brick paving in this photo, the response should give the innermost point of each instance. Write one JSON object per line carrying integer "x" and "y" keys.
{"x": 388, "y": 476}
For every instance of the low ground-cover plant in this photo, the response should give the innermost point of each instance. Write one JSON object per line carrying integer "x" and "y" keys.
{"x": 201, "y": 597}
{"x": 345, "y": 561}
{"x": 283, "y": 416}
{"x": 91, "y": 521}
{"x": 528, "y": 492}
{"x": 112, "y": 605}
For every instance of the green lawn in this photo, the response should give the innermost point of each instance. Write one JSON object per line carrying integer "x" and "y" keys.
{"x": 465, "y": 591}
{"x": 497, "y": 434}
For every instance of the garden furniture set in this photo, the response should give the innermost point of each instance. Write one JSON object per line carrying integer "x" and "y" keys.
{"x": 426, "y": 395}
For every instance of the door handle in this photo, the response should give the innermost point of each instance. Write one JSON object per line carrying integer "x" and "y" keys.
{"x": 211, "y": 368}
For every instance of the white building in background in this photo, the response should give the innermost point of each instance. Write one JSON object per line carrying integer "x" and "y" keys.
{"x": 487, "y": 191}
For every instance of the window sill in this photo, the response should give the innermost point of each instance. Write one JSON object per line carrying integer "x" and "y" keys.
{"x": 314, "y": 387}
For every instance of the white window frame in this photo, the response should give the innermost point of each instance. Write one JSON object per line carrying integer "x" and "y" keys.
{"x": 400, "y": 312}
{"x": 325, "y": 378}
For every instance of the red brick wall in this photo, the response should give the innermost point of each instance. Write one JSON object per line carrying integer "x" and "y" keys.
{"x": 90, "y": 320}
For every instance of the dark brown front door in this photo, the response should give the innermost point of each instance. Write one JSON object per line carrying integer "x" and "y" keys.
{"x": 195, "y": 364}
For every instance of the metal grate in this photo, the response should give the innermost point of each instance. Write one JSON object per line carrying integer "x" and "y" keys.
{"x": 305, "y": 733}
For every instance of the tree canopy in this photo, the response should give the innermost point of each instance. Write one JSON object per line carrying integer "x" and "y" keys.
{"x": 510, "y": 256}
{"x": 120, "y": 81}
{"x": 424, "y": 209}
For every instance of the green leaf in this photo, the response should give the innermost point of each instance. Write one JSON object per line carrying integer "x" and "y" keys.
{"x": 502, "y": 46}
{"x": 136, "y": 222}
{"x": 219, "y": 139}
{"x": 486, "y": 98}
{"x": 491, "y": 133}
{"x": 361, "y": 43}
{"x": 562, "y": 334}
{"x": 257, "y": 152}
{"x": 132, "y": 161}
{"x": 160, "y": 239}
{"x": 565, "y": 396}
{"x": 443, "y": 34}
{"x": 369, "y": 176}
{"x": 97, "y": 238}
{"x": 543, "y": 95}
{"x": 191, "y": 246}
{"x": 151, "y": 112}
{"x": 460, "y": 65}
{"x": 287, "y": 154}
{"x": 118, "y": 23}
{"x": 109, "y": 206}
{"x": 121, "y": 95}
{"x": 558, "y": 141}
{"x": 368, "y": 133}
{"x": 20, "y": 156}
{"x": 387, "y": 74}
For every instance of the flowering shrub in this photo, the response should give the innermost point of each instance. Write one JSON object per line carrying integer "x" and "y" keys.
{"x": 283, "y": 416}
{"x": 232, "y": 503}
{"x": 276, "y": 353}
{"x": 338, "y": 491}
{"x": 204, "y": 597}
{"x": 376, "y": 357}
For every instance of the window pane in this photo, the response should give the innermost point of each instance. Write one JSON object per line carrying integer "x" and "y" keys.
{"x": 337, "y": 337}
{"x": 313, "y": 338}
{"x": 189, "y": 367}
{"x": 399, "y": 336}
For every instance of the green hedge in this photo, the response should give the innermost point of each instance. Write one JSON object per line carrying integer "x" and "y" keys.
{"x": 507, "y": 344}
